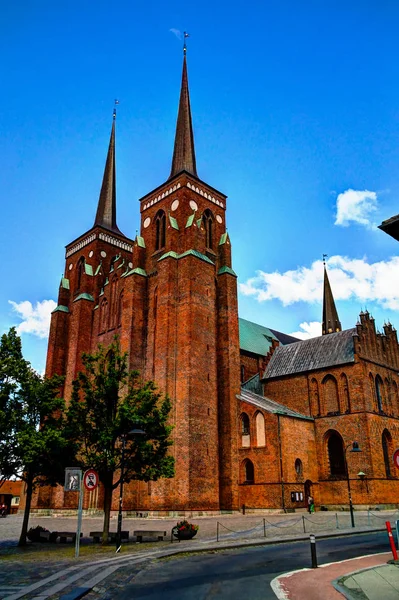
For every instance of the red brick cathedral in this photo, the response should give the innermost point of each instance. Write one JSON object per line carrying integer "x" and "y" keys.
{"x": 260, "y": 418}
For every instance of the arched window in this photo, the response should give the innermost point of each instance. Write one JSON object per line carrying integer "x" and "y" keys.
{"x": 208, "y": 224}
{"x": 242, "y": 371}
{"x": 81, "y": 270}
{"x": 260, "y": 429}
{"x": 298, "y": 467}
{"x": 249, "y": 472}
{"x": 387, "y": 451}
{"x": 245, "y": 431}
{"x": 379, "y": 393}
{"x": 315, "y": 399}
{"x": 372, "y": 392}
{"x": 336, "y": 454}
{"x": 113, "y": 301}
{"x": 395, "y": 399}
{"x": 388, "y": 396}
{"x": 120, "y": 309}
{"x": 345, "y": 393}
{"x": 160, "y": 230}
{"x": 103, "y": 315}
{"x": 331, "y": 400}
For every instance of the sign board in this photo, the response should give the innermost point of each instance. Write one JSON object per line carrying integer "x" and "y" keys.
{"x": 396, "y": 458}
{"x": 72, "y": 479}
{"x": 90, "y": 480}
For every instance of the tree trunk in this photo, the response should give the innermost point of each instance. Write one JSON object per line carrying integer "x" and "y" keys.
{"x": 29, "y": 490}
{"x": 107, "y": 505}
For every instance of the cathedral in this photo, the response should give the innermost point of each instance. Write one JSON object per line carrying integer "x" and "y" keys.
{"x": 261, "y": 419}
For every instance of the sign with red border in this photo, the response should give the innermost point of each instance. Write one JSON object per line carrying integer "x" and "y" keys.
{"x": 396, "y": 458}
{"x": 90, "y": 480}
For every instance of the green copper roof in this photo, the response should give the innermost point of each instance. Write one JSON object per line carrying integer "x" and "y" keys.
{"x": 197, "y": 254}
{"x": 121, "y": 265}
{"x": 65, "y": 283}
{"x": 137, "y": 270}
{"x": 190, "y": 220}
{"x": 98, "y": 268}
{"x": 84, "y": 296}
{"x": 226, "y": 270}
{"x": 187, "y": 253}
{"x": 61, "y": 308}
{"x": 223, "y": 239}
{"x": 173, "y": 222}
{"x": 88, "y": 269}
{"x": 255, "y": 338}
{"x": 140, "y": 241}
{"x": 106, "y": 282}
{"x": 171, "y": 254}
{"x": 199, "y": 222}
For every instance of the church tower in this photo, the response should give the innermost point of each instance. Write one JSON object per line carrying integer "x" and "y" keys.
{"x": 171, "y": 297}
{"x": 331, "y": 322}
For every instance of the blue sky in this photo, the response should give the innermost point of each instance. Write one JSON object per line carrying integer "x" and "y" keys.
{"x": 294, "y": 105}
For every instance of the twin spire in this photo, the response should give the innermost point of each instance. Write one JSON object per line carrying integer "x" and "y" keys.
{"x": 183, "y": 158}
{"x": 331, "y": 322}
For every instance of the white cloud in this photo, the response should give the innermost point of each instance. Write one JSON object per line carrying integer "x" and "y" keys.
{"x": 308, "y": 330}
{"x": 350, "y": 279}
{"x": 177, "y": 33}
{"x": 35, "y": 319}
{"x": 356, "y": 206}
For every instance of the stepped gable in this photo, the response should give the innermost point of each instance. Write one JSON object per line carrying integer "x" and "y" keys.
{"x": 316, "y": 353}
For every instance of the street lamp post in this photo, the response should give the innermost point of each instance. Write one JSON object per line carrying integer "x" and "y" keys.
{"x": 354, "y": 448}
{"x": 132, "y": 433}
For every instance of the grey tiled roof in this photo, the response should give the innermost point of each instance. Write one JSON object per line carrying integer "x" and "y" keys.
{"x": 270, "y": 405}
{"x": 309, "y": 355}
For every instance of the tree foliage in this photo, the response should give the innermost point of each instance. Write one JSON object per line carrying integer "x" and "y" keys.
{"x": 108, "y": 401}
{"x": 33, "y": 444}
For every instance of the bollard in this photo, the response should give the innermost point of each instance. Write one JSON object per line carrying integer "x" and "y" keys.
{"x": 303, "y": 523}
{"x": 264, "y": 527}
{"x": 397, "y": 532}
{"x": 391, "y": 540}
{"x": 243, "y": 509}
{"x": 217, "y": 531}
{"x": 313, "y": 551}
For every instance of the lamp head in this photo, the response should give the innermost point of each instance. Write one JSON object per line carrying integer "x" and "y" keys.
{"x": 361, "y": 475}
{"x": 355, "y": 447}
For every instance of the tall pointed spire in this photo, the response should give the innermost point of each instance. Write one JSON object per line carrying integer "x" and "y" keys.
{"x": 106, "y": 209}
{"x": 331, "y": 322}
{"x": 183, "y": 152}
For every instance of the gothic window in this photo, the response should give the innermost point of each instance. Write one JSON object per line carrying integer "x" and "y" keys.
{"x": 331, "y": 401}
{"x": 298, "y": 467}
{"x": 120, "y": 309}
{"x": 245, "y": 431}
{"x": 81, "y": 270}
{"x": 160, "y": 230}
{"x": 242, "y": 373}
{"x": 336, "y": 454}
{"x": 388, "y": 396}
{"x": 345, "y": 393}
{"x": 260, "y": 429}
{"x": 387, "y": 451}
{"x": 379, "y": 393}
{"x": 113, "y": 301}
{"x": 315, "y": 399}
{"x": 249, "y": 471}
{"x": 208, "y": 224}
{"x": 103, "y": 315}
{"x": 395, "y": 399}
{"x": 372, "y": 391}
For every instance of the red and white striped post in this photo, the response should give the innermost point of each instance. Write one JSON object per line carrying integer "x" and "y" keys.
{"x": 391, "y": 540}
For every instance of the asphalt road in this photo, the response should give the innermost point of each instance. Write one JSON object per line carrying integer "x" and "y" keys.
{"x": 243, "y": 573}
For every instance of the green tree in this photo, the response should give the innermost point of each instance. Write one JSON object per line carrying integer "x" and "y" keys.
{"x": 107, "y": 402}
{"x": 32, "y": 443}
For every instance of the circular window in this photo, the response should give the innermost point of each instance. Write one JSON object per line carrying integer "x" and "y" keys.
{"x": 175, "y": 204}
{"x": 147, "y": 222}
{"x": 91, "y": 253}
{"x": 219, "y": 219}
{"x": 298, "y": 466}
{"x": 71, "y": 267}
{"x": 193, "y": 205}
{"x": 103, "y": 253}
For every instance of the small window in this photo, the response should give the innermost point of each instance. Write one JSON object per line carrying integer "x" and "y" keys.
{"x": 298, "y": 467}
{"x": 160, "y": 230}
{"x": 15, "y": 501}
{"x": 249, "y": 471}
{"x": 244, "y": 424}
{"x": 208, "y": 224}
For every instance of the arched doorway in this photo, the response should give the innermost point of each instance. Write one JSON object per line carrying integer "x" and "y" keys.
{"x": 307, "y": 489}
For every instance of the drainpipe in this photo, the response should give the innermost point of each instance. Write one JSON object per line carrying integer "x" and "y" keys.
{"x": 281, "y": 462}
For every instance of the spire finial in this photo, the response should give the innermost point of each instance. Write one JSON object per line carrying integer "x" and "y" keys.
{"x": 185, "y": 36}
{"x": 116, "y": 102}
{"x": 324, "y": 259}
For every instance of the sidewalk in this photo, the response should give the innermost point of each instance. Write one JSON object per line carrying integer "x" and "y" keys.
{"x": 363, "y": 578}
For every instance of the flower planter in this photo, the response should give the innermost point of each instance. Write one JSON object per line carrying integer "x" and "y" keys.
{"x": 185, "y": 534}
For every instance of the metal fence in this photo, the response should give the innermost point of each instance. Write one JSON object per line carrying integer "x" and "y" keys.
{"x": 315, "y": 523}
